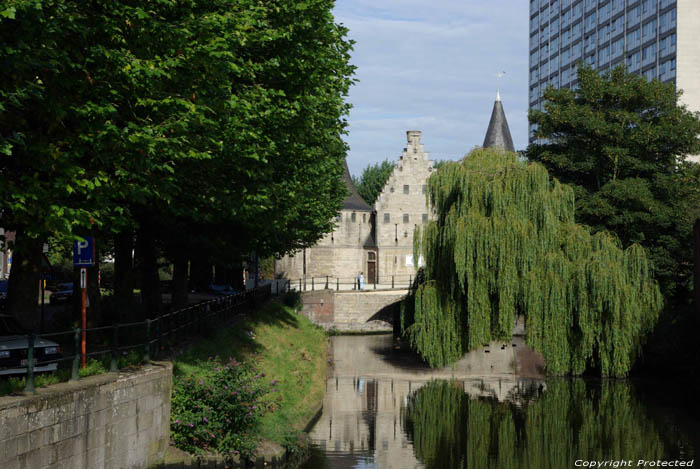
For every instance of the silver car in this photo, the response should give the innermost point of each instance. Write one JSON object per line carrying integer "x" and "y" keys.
{"x": 14, "y": 347}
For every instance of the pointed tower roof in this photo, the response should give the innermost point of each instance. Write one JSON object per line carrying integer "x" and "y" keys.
{"x": 353, "y": 200}
{"x": 498, "y": 134}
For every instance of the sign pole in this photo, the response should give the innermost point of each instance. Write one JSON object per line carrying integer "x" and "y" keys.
{"x": 83, "y": 255}
{"x": 83, "y": 315}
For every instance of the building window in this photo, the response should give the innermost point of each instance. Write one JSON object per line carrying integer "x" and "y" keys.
{"x": 371, "y": 256}
{"x": 424, "y": 188}
{"x": 364, "y": 218}
{"x": 391, "y": 190}
{"x": 405, "y": 188}
{"x": 353, "y": 217}
{"x": 387, "y": 218}
{"x": 425, "y": 217}
{"x": 339, "y": 217}
{"x": 405, "y": 217}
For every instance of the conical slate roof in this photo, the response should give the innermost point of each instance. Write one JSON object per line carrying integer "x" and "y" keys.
{"x": 498, "y": 134}
{"x": 353, "y": 201}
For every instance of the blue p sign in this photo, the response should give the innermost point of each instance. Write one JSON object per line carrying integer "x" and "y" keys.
{"x": 84, "y": 252}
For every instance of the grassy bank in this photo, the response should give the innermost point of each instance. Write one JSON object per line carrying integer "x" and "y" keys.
{"x": 283, "y": 345}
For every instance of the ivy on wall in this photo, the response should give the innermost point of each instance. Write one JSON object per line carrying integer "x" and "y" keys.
{"x": 504, "y": 244}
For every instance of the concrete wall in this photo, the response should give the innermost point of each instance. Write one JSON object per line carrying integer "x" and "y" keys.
{"x": 107, "y": 421}
{"x": 351, "y": 310}
{"x": 688, "y": 55}
{"x": 395, "y": 236}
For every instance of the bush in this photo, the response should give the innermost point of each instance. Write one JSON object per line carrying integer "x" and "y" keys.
{"x": 219, "y": 409}
{"x": 292, "y": 299}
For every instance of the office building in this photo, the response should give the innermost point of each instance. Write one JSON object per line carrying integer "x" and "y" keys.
{"x": 654, "y": 38}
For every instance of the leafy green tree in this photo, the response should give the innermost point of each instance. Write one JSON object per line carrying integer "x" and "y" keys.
{"x": 505, "y": 244}
{"x": 620, "y": 142}
{"x": 373, "y": 180}
{"x": 144, "y": 122}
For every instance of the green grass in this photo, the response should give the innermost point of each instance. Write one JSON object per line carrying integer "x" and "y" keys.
{"x": 15, "y": 385}
{"x": 284, "y": 345}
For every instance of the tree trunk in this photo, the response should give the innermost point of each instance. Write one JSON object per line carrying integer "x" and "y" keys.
{"x": 180, "y": 287}
{"x": 237, "y": 277}
{"x": 200, "y": 273}
{"x": 148, "y": 266}
{"x": 696, "y": 269}
{"x": 23, "y": 285}
{"x": 124, "y": 275}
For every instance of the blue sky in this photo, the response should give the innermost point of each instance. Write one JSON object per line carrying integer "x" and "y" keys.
{"x": 432, "y": 66}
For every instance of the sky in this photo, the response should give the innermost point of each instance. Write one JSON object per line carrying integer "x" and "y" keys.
{"x": 432, "y": 66}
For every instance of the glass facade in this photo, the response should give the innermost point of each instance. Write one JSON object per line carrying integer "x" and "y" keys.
{"x": 604, "y": 33}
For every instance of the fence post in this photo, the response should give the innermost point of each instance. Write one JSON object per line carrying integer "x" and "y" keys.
{"x": 410, "y": 280}
{"x": 300, "y": 285}
{"x": 337, "y": 283}
{"x": 392, "y": 281}
{"x": 326, "y": 282}
{"x": 375, "y": 283}
{"x": 312, "y": 284}
{"x": 76, "y": 358}
{"x": 115, "y": 347}
{"x": 147, "y": 348}
{"x": 30, "y": 364}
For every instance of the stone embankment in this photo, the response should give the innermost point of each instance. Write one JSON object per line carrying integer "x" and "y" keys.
{"x": 106, "y": 421}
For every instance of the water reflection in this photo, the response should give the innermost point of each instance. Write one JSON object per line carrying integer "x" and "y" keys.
{"x": 397, "y": 414}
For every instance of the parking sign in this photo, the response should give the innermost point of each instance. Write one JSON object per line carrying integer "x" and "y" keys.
{"x": 84, "y": 252}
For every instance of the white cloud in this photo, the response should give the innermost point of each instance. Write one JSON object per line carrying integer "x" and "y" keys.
{"x": 431, "y": 66}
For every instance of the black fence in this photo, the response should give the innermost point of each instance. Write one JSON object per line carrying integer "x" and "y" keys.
{"x": 385, "y": 282}
{"x": 151, "y": 337}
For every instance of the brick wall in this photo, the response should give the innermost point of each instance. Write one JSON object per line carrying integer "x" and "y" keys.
{"x": 108, "y": 421}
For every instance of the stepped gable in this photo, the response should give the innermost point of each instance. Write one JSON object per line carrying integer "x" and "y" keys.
{"x": 353, "y": 200}
{"x": 498, "y": 134}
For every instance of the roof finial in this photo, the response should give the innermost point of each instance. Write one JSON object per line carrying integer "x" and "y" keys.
{"x": 499, "y": 75}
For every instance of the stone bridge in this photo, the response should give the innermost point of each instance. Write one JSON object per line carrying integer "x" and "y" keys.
{"x": 347, "y": 311}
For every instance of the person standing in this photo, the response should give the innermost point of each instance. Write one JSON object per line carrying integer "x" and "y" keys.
{"x": 362, "y": 281}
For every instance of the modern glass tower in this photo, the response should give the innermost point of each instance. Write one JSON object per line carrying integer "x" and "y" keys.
{"x": 658, "y": 39}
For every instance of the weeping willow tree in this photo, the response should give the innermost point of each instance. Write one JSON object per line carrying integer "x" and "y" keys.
{"x": 571, "y": 420}
{"x": 505, "y": 244}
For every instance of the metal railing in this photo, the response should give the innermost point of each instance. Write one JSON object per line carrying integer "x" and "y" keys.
{"x": 386, "y": 282}
{"x": 151, "y": 336}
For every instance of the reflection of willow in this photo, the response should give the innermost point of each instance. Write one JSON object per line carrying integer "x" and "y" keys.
{"x": 569, "y": 421}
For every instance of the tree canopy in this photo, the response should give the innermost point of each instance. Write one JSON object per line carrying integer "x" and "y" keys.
{"x": 214, "y": 124}
{"x": 504, "y": 244}
{"x": 620, "y": 141}
{"x": 373, "y": 180}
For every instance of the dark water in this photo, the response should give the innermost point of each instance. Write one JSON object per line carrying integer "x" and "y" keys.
{"x": 383, "y": 409}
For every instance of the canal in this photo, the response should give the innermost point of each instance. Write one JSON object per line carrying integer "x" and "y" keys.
{"x": 384, "y": 409}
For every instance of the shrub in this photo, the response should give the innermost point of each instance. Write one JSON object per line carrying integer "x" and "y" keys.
{"x": 219, "y": 409}
{"x": 292, "y": 299}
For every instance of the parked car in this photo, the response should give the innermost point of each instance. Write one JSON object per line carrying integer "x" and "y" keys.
{"x": 14, "y": 348}
{"x": 63, "y": 294}
{"x": 3, "y": 292}
{"x": 221, "y": 289}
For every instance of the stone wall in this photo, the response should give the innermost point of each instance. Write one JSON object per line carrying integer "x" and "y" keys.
{"x": 365, "y": 311}
{"x": 116, "y": 420}
{"x": 401, "y": 207}
{"x": 339, "y": 254}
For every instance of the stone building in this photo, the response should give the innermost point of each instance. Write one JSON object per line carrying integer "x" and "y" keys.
{"x": 379, "y": 241}
{"x": 342, "y": 253}
{"x": 400, "y": 207}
